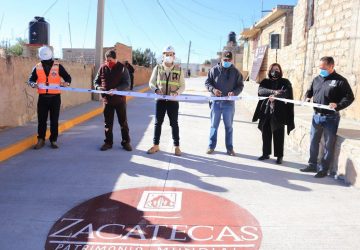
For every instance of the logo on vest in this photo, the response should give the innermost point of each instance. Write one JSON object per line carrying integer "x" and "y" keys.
{"x": 53, "y": 73}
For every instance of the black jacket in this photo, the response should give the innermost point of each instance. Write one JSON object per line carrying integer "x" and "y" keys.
{"x": 283, "y": 113}
{"x": 333, "y": 88}
{"x": 115, "y": 78}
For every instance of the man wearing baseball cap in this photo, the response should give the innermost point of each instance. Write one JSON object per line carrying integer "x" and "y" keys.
{"x": 223, "y": 80}
{"x": 49, "y": 73}
{"x": 167, "y": 79}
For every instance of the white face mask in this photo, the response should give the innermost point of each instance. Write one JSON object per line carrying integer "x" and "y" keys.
{"x": 169, "y": 59}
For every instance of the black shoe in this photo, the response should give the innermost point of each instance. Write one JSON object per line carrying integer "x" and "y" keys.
{"x": 54, "y": 145}
{"x": 127, "y": 147}
{"x": 279, "y": 160}
{"x": 105, "y": 147}
{"x": 264, "y": 157}
{"x": 308, "y": 169}
{"x": 321, "y": 174}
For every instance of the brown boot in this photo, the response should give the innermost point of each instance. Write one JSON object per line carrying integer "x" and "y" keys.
{"x": 209, "y": 151}
{"x": 177, "y": 151}
{"x": 54, "y": 145}
{"x": 40, "y": 143}
{"x": 153, "y": 149}
{"x": 127, "y": 147}
{"x": 105, "y": 147}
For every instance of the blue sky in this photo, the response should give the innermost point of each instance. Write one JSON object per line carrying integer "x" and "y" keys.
{"x": 138, "y": 23}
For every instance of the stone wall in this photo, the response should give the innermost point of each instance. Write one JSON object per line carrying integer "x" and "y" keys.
{"x": 18, "y": 101}
{"x": 335, "y": 32}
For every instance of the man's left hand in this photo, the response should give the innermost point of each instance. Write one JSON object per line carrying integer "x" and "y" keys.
{"x": 110, "y": 92}
{"x": 332, "y": 105}
{"x": 231, "y": 94}
{"x": 64, "y": 84}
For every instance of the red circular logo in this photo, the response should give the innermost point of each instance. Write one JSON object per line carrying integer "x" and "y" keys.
{"x": 155, "y": 218}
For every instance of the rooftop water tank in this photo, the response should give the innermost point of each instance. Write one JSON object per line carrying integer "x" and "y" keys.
{"x": 39, "y": 31}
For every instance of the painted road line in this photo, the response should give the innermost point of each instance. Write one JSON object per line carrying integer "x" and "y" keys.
{"x": 24, "y": 144}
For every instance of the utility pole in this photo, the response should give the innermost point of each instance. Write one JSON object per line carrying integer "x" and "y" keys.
{"x": 99, "y": 34}
{"x": 187, "y": 65}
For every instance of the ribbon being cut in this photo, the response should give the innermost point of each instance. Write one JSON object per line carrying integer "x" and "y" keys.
{"x": 186, "y": 97}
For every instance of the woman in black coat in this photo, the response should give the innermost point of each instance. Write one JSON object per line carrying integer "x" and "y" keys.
{"x": 273, "y": 114}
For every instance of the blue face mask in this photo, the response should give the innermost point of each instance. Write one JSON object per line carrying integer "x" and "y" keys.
{"x": 226, "y": 64}
{"x": 324, "y": 73}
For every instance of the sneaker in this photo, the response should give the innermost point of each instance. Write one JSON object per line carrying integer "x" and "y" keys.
{"x": 127, "y": 147}
{"x": 210, "y": 151}
{"x": 231, "y": 152}
{"x": 54, "y": 145}
{"x": 40, "y": 143}
{"x": 177, "y": 151}
{"x": 308, "y": 169}
{"x": 153, "y": 149}
{"x": 105, "y": 147}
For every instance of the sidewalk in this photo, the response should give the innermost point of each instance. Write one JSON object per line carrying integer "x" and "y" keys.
{"x": 294, "y": 209}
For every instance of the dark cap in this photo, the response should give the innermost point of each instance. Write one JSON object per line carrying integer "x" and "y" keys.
{"x": 227, "y": 54}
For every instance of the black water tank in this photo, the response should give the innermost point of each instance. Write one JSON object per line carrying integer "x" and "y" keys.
{"x": 232, "y": 37}
{"x": 39, "y": 31}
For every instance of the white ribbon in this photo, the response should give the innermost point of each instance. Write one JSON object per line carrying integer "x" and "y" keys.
{"x": 185, "y": 97}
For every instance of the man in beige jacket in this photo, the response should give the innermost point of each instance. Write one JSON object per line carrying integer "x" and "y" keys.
{"x": 167, "y": 79}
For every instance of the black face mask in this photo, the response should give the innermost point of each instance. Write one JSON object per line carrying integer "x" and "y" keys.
{"x": 275, "y": 74}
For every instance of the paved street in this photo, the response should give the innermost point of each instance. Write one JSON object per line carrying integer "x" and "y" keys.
{"x": 293, "y": 209}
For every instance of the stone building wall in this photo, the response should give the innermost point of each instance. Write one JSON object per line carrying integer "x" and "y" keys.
{"x": 335, "y": 32}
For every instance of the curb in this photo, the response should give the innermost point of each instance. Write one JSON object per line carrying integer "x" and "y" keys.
{"x": 24, "y": 144}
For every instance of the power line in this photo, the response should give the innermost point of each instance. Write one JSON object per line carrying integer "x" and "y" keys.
{"x": 202, "y": 15}
{"x": 213, "y": 9}
{"x": 113, "y": 19}
{"x": 171, "y": 22}
{"x": 68, "y": 15}
{"x": 137, "y": 25}
{"x": 2, "y": 19}
{"x": 191, "y": 25}
{"x": 87, "y": 23}
{"x": 46, "y": 11}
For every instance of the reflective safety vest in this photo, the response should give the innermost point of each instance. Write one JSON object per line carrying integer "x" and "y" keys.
{"x": 53, "y": 79}
{"x": 168, "y": 83}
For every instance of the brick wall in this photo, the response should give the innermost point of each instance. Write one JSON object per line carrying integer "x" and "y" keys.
{"x": 123, "y": 52}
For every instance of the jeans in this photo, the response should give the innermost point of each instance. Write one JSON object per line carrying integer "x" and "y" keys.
{"x": 109, "y": 112}
{"x": 327, "y": 125}
{"x": 172, "y": 110}
{"x": 48, "y": 104}
{"x": 227, "y": 110}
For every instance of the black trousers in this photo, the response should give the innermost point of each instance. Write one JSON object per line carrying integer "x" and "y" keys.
{"x": 277, "y": 136}
{"x": 48, "y": 103}
{"x": 109, "y": 112}
{"x": 132, "y": 81}
{"x": 172, "y": 110}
